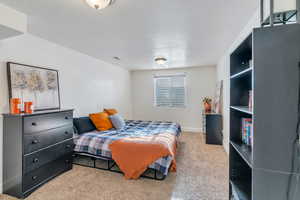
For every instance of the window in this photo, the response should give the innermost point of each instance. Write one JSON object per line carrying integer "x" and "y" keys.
{"x": 170, "y": 91}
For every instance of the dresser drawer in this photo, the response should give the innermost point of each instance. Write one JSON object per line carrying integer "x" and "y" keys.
{"x": 46, "y": 172}
{"x": 40, "y": 158}
{"x": 38, "y": 123}
{"x": 36, "y": 141}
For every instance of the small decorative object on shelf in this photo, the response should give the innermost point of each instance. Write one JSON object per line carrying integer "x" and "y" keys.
{"x": 207, "y": 104}
{"x": 246, "y": 64}
{"x": 15, "y": 104}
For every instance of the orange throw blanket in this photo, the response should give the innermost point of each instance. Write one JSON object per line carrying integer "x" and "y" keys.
{"x": 134, "y": 155}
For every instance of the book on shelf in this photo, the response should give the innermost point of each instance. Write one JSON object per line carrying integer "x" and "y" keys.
{"x": 250, "y": 103}
{"x": 247, "y": 131}
{"x": 251, "y": 63}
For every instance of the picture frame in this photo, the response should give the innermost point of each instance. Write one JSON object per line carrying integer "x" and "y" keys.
{"x": 36, "y": 84}
{"x": 218, "y": 100}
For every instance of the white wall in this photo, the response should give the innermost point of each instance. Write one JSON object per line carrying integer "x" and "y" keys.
{"x": 86, "y": 84}
{"x": 223, "y": 73}
{"x": 13, "y": 19}
{"x": 12, "y": 22}
{"x": 201, "y": 82}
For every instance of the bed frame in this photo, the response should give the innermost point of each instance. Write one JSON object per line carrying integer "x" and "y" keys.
{"x": 110, "y": 163}
{"x": 113, "y": 167}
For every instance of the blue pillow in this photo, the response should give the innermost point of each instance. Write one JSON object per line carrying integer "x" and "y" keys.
{"x": 117, "y": 121}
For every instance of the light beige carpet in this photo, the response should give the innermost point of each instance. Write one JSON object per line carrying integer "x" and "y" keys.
{"x": 202, "y": 174}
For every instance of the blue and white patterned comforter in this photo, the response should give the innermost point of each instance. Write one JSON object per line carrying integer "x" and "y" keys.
{"x": 97, "y": 143}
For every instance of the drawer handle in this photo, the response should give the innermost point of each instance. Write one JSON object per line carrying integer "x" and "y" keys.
{"x": 66, "y": 117}
{"x": 34, "y": 177}
{"x": 35, "y": 141}
{"x": 68, "y": 146}
{"x": 33, "y": 124}
{"x": 67, "y": 161}
{"x": 66, "y": 132}
{"x": 35, "y": 160}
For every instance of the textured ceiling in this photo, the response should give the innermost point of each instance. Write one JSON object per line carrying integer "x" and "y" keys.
{"x": 187, "y": 33}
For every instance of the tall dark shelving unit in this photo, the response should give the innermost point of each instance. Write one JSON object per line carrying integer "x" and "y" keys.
{"x": 264, "y": 171}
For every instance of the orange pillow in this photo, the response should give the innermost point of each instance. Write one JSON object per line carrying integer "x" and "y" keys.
{"x": 101, "y": 121}
{"x": 111, "y": 111}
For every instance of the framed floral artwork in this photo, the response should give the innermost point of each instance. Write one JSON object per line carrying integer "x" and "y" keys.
{"x": 36, "y": 84}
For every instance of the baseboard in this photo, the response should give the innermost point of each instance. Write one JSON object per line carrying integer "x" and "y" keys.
{"x": 191, "y": 129}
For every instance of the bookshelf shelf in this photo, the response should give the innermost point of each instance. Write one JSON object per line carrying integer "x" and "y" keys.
{"x": 241, "y": 190}
{"x": 269, "y": 84}
{"x": 244, "y": 109}
{"x": 244, "y": 151}
{"x": 242, "y": 73}
{"x": 241, "y": 156}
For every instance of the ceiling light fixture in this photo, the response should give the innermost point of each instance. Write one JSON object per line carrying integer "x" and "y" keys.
{"x": 161, "y": 60}
{"x": 99, "y": 4}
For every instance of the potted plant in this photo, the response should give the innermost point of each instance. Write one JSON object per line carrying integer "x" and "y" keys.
{"x": 207, "y": 104}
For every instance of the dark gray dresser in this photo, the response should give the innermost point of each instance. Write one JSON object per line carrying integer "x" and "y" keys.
{"x": 36, "y": 148}
{"x": 213, "y": 128}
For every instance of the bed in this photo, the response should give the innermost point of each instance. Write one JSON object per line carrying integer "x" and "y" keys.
{"x": 95, "y": 144}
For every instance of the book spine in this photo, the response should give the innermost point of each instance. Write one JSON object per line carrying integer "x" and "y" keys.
{"x": 248, "y": 134}
{"x": 251, "y": 141}
{"x": 247, "y": 131}
{"x": 243, "y": 130}
{"x": 250, "y": 103}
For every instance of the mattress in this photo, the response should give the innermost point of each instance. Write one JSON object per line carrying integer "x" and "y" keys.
{"x": 96, "y": 143}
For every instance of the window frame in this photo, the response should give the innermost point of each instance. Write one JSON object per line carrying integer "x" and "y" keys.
{"x": 155, "y": 77}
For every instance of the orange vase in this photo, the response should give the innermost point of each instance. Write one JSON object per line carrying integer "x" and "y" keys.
{"x": 15, "y": 104}
{"x": 207, "y": 107}
{"x": 28, "y": 107}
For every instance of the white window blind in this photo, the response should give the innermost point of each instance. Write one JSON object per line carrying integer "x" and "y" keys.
{"x": 170, "y": 91}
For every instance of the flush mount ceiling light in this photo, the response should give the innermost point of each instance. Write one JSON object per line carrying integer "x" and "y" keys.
{"x": 99, "y": 4}
{"x": 161, "y": 60}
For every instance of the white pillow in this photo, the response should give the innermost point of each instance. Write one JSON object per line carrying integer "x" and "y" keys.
{"x": 117, "y": 121}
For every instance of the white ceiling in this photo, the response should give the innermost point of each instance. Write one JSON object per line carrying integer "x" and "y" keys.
{"x": 186, "y": 32}
{"x": 6, "y": 32}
